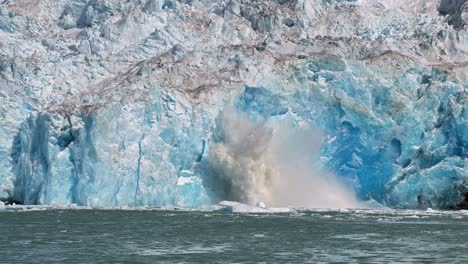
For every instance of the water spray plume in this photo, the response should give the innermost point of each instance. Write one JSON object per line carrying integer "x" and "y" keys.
{"x": 274, "y": 163}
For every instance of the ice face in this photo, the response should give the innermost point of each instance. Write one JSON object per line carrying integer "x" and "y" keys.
{"x": 109, "y": 103}
{"x": 393, "y": 146}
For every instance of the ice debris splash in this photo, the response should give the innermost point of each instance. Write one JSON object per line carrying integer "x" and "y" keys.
{"x": 273, "y": 162}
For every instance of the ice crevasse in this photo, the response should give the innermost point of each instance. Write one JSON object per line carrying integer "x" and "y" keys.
{"x": 107, "y": 103}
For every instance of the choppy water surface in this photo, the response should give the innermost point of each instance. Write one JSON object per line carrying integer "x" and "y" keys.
{"x": 174, "y": 236}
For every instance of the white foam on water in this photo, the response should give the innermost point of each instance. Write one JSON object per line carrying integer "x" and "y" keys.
{"x": 182, "y": 250}
{"x": 236, "y": 207}
{"x": 382, "y": 214}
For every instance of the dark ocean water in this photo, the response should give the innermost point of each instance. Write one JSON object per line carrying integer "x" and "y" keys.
{"x": 174, "y": 236}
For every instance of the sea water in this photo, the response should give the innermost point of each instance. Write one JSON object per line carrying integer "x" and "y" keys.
{"x": 173, "y": 235}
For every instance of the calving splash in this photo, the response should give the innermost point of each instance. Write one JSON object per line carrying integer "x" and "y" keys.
{"x": 271, "y": 162}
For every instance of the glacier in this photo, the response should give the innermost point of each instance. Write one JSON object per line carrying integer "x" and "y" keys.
{"x": 109, "y": 103}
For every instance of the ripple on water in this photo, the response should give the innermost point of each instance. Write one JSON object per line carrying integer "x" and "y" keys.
{"x": 182, "y": 250}
{"x": 303, "y": 236}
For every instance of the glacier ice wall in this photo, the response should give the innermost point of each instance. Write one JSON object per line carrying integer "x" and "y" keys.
{"x": 115, "y": 103}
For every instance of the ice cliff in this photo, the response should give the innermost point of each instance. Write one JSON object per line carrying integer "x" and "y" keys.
{"x": 121, "y": 102}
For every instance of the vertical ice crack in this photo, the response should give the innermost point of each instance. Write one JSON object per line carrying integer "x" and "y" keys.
{"x": 138, "y": 169}
{"x": 70, "y": 130}
{"x": 74, "y": 170}
{"x": 114, "y": 195}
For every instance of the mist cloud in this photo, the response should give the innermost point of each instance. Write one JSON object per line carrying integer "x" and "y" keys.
{"x": 273, "y": 162}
